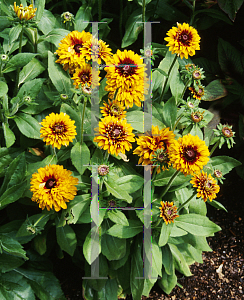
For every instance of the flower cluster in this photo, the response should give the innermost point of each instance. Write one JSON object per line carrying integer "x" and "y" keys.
{"x": 24, "y": 13}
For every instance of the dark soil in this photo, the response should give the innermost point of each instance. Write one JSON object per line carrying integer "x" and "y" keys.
{"x": 221, "y": 276}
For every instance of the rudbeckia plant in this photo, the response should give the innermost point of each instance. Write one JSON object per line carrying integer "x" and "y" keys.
{"x": 104, "y": 156}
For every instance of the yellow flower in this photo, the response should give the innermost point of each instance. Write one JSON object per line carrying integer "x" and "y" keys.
{"x": 168, "y": 212}
{"x": 125, "y": 74}
{"x": 150, "y": 142}
{"x": 52, "y": 187}
{"x": 189, "y": 154}
{"x": 183, "y": 40}
{"x": 97, "y": 50}
{"x": 206, "y": 185}
{"x": 26, "y": 13}
{"x": 197, "y": 94}
{"x": 83, "y": 76}
{"x": 70, "y": 52}
{"x": 114, "y": 135}
{"x": 58, "y": 130}
{"x": 114, "y": 108}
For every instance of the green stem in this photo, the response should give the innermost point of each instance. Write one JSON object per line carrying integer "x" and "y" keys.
{"x": 120, "y": 18}
{"x": 35, "y": 45}
{"x": 154, "y": 173}
{"x": 186, "y": 85}
{"x": 106, "y": 156}
{"x": 39, "y": 219}
{"x": 18, "y": 70}
{"x": 187, "y": 201}
{"x": 83, "y": 118}
{"x": 177, "y": 122}
{"x": 143, "y": 10}
{"x": 155, "y": 7}
{"x": 193, "y": 12}
{"x": 166, "y": 81}
{"x": 169, "y": 184}
{"x": 214, "y": 147}
{"x": 99, "y": 10}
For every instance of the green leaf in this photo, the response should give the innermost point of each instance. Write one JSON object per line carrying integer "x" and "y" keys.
{"x": 54, "y": 36}
{"x": 116, "y": 191}
{"x": 167, "y": 260}
{"x": 176, "y": 86}
{"x": 30, "y": 71}
{"x": 14, "y": 33}
{"x": 198, "y": 242}
{"x": 112, "y": 247}
{"x": 136, "y": 120}
{"x": 76, "y": 116}
{"x": 116, "y": 264}
{"x": 196, "y": 224}
{"x": 45, "y": 285}
{"x": 164, "y": 177}
{"x": 165, "y": 233}
{"x": 176, "y": 231}
{"x": 230, "y": 7}
{"x": 83, "y": 17}
{"x": 12, "y": 246}
{"x": 6, "y": 156}
{"x": 31, "y": 88}
{"x": 12, "y": 194}
{"x": 58, "y": 76}
{"x": 80, "y": 157}
{"x": 125, "y": 232}
{"x": 28, "y": 125}
{"x": 48, "y": 22}
{"x": 132, "y": 28}
{"x": 179, "y": 261}
{"x": 90, "y": 246}
{"x": 117, "y": 217}
{"x": 167, "y": 282}
{"x": 224, "y": 163}
{"x": 169, "y": 113}
{"x": 79, "y": 205}
{"x": 157, "y": 260}
{"x": 4, "y": 23}
{"x": 217, "y": 205}
{"x": 40, "y": 4}
{"x": 130, "y": 183}
{"x": 66, "y": 239}
{"x": 8, "y": 135}
{"x": 214, "y": 90}
{"x": 190, "y": 253}
{"x": 3, "y": 89}
{"x": 18, "y": 61}
{"x": 9, "y": 262}
{"x": 40, "y": 243}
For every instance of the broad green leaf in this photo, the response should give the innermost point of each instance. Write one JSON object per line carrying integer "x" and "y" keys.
{"x": 230, "y": 7}
{"x": 130, "y": 183}
{"x": 92, "y": 245}
{"x": 80, "y": 157}
{"x": 217, "y": 205}
{"x": 12, "y": 194}
{"x": 79, "y": 205}
{"x": 179, "y": 261}
{"x": 116, "y": 264}
{"x": 169, "y": 113}
{"x": 3, "y": 88}
{"x": 14, "y": 33}
{"x": 176, "y": 86}
{"x": 15, "y": 173}
{"x": 167, "y": 260}
{"x": 18, "y": 61}
{"x": 75, "y": 116}
{"x": 40, "y": 243}
{"x": 116, "y": 191}
{"x": 45, "y": 285}
{"x": 66, "y": 239}
{"x": 136, "y": 284}
{"x": 6, "y": 156}
{"x": 8, "y": 135}
{"x": 4, "y": 22}
{"x": 30, "y": 71}
{"x": 156, "y": 258}
{"x": 132, "y": 28}
{"x": 9, "y": 262}
{"x": 117, "y": 217}
{"x": 112, "y": 247}
{"x": 176, "y": 231}
{"x": 164, "y": 177}
{"x": 224, "y": 163}
{"x": 190, "y": 253}
{"x": 168, "y": 282}
{"x": 54, "y": 36}
{"x": 12, "y": 246}
{"x": 58, "y": 76}
{"x": 40, "y": 4}
{"x": 125, "y": 232}
{"x": 198, "y": 242}
{"x": 31, "y": 88}
{"x": 196, "y": 224}
{"x": 214, "y": 90}
{"x": 165, "y": 233}
{"x": 83, "y": 17}
{"x": 47, "y": 22}
{"x": 28, "y": 125}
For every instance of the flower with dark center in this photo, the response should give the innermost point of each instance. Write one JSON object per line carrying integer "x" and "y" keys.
{"x": 168, "y": 212}
{"x": 52, "y": 187}
{"x": 218, "y": 174}
{"x": 114, "y": 135}
{"x": 189, "y": 154}
{"x": 197, "y": 75}
{"x": 103, "y": 170}
{"x": 190, "y": 104}
{"x": 83, "y": 76}
{"x": 183, "y": 40}
{"x": 4, "y": 57}
{"x": 196, "y": 117}
{"x": 206, "y": 185}
{"x": 227, "y": 131}
{"x": 113, "y": 108}
{"x": 24, "y": 13}
{"x": 64, "y": 96}
{"x": 58, "y": 130}
{"x": 197, "y": 94}
{"x": 71, "y": 52}
{"x": 97, "y": 50}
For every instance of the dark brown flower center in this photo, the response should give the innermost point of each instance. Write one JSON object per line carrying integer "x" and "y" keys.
{"x": 59, "y": 128}
{"x": 116, "y": 132}
{"x": 227, "y": 132}
{"x": 84, "y": 77}
{"x": 112, "y": 203}
{"x": 50, "y": 183}
{"x": 77, "y": 48}
{"x": 190, "y": 154}
{"x": 169, "y": 212}
{"x": 185, "y": 37}
{"x": 127, "y": 67}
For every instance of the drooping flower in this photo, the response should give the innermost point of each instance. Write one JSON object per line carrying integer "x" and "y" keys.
{"x": 83, "y": 76}
{"x": 58, "y": 130}
{"x": 97, "y": 50}
{"x": 70, "y": 50}
{"x": 183, "y": 40}
{"x": 125, "y": 76}
{"x": 52, "y": 187}
{"x": 153, "y": 147}
{"x": 114, "y": 135}
{"x": 206, "y": 185}
{"x": 113, "y": 108}
{"x": 168, "y": 212}
{"x": 189, "y": 154}
{"x": 24, "y": 13}
{"x": 197, "y": 93}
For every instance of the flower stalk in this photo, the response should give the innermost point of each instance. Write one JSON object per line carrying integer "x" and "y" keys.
{"x": 169, "y": 184}
{"x": 166, "y": 81}
{"x": 187, "y": 201}
{"x": 82, "y": 119}
{"x": 214, "y": 147}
